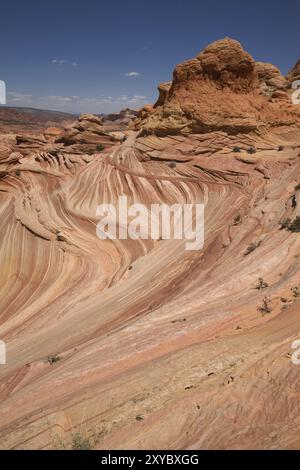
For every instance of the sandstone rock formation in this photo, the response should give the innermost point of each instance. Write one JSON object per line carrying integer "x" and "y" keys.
{"x": 294, "y": 74}
{"x": 86, "y": 135}
{"x": 87, "y": 130}
{"x": 270, "y": 78}
{"x": 52, "y": 133}
{"x": 163, "y": 90}
{"x": 221, "y": 89}
{"x": 119, "y": 121}
{"x": 141, "y": 343}
{"x": 28, "y": 144}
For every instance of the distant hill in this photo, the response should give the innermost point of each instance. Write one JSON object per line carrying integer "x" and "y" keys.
{"x": 16, "y": 119}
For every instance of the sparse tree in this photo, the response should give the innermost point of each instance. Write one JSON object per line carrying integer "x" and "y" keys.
{"x": 265, "y": 306}
{"x": 261, "y": 284}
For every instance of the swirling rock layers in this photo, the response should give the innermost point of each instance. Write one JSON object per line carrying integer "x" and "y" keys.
{"x": 141, "y": 343}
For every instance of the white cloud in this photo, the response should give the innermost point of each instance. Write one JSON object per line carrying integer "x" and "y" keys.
{"x": 58, "y": 62}
{"x": 61, "y": 62}
{"x": 123, "y": 98}
{"x": 60, "y": 98}
{"x": 133, "y": 74}
{"x": 14, "y": 96}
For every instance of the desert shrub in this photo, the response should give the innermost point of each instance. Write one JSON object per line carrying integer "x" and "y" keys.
{"x": 172, "y": 164}
{"x": 236, "y": 149}
{"x": 251, "y": 150}
{"x": 139, "y": 418}
{"x": 280, "y": 148}
{"x": 251, "y": 248}
{"x": 296, "y": 291}
{"x": 237, "y": 220}
{"x": 53, "y": 358}
{"x": 265, "y": 306}
{"x": 285, "y": 223}
{"x": 297, "y": 187}
{"x": 18, "y": 173}
{"x": 78, "y": 439}
{"x": 80, "y": 442}
{"x": 294, "y": 226}
{"x": 100, "y": 147}
{"x": 261, "y": 284}
{"x": 179, "y": 320}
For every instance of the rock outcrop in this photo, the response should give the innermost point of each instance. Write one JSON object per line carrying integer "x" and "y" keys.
{"x": 118, "y": 121}
{"x": 143, "y": 114}
{"x": 221, "y": 89}
{"x": 86, "y": 135}
{"x": 52, "y": 133}
{"x": 27, "y": 144}
{"x": 87, "y": 130}
{"x": 270, "y": 78}
{"x": 163, "y": 90}
{"x": 294, "y": 74}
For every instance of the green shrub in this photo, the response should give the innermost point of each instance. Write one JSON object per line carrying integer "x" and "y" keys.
{"x": 251, "y": 150}
{"x": 100, "y": 148}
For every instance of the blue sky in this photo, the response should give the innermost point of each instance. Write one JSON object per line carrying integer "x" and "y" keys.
{"x": 79, "y": 56}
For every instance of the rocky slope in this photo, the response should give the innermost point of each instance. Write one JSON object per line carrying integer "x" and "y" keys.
{"x": 142, "y": 344}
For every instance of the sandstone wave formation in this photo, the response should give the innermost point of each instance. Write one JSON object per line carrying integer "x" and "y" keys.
{"x": 120, "y": 344}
